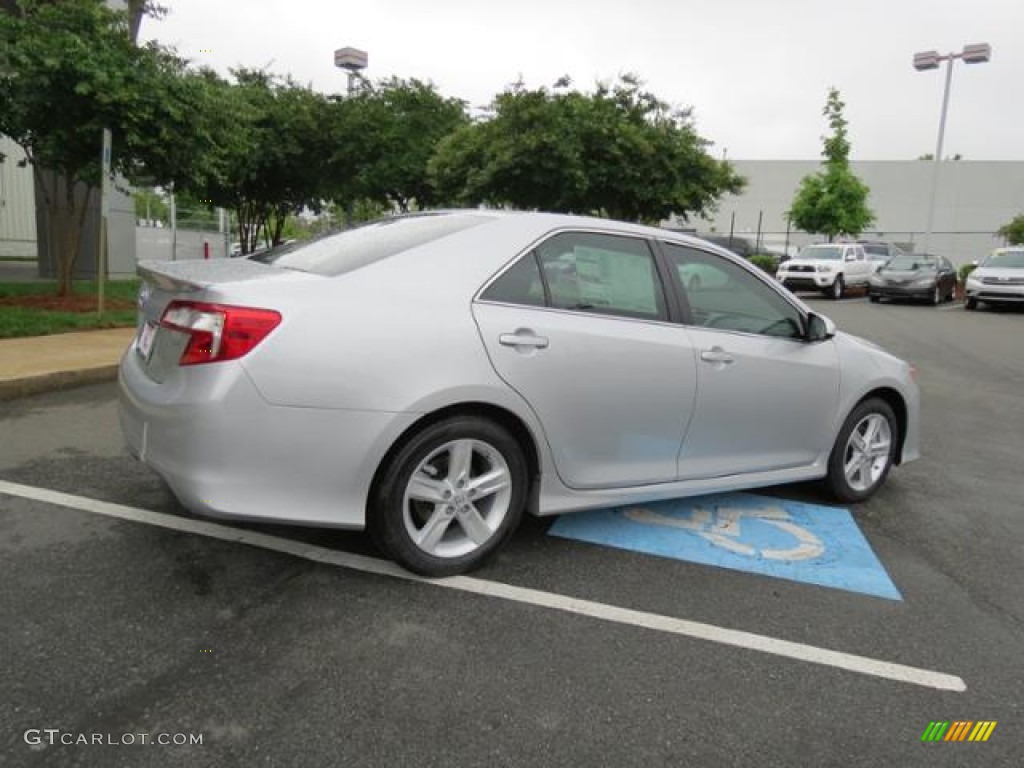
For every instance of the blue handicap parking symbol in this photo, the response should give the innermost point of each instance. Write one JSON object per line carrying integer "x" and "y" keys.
{"x": 776, "y": 537}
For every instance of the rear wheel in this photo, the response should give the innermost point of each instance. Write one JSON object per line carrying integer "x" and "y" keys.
{"x": 863, "y": 452}
{"x": 970, "y": 303}
{"x": 450, "y": 496}
{"x": 874, "y": 299}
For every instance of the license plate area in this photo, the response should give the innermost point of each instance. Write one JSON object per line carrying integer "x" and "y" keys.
{"x": 144, "y": 344}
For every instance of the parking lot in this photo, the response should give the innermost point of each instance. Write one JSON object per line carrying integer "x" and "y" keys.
{"x": 121, "y": 614}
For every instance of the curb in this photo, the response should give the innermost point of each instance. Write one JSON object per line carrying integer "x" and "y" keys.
{"x": 12, "y": 389}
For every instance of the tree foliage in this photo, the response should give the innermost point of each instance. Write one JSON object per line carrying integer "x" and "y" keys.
{"x": 832, "y": 201}
{"x": 68, "y": 70}
{"x": 617, "y": 152}
{"x": 266, "y": 158}
{"x": 384, "y": 137}
{"x": 1014, "y": 231}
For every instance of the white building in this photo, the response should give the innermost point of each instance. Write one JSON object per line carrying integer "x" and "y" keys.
{"x": 17, "y": 204}
{"x": 973, "y": 200}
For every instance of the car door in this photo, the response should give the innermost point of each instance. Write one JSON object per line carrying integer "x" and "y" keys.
{"x": 858, "y": 268}
{"x": 579, "y": 328}
{"x": 766, "y": 398}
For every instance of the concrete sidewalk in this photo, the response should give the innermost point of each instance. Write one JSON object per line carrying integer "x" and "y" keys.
{"x": 43, "y": 363}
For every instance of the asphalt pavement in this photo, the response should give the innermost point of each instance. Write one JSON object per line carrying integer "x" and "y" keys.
{"x": 294, "y": 647}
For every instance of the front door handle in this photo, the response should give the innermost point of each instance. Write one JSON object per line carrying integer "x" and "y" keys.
{"x": 716, "y": 355}
{"x": 523, "y": 339}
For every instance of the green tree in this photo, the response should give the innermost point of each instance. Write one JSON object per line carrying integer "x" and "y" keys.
{"x": 618, "y": 152}
{"x": 68, "y": 70}
{"x": 833, "y": 201}
{"x": 1014, "y": 231}
{"x": 267, "y": 162}
{"x": 384, "y": 137}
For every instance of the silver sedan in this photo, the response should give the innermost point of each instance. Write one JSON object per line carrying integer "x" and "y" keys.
{"x": 432, "y": 377}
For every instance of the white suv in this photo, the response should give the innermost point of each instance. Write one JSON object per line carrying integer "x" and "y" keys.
{"x": 827, "y": 267}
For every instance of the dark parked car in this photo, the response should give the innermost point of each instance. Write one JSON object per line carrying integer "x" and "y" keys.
{"x": 918, "y": 276}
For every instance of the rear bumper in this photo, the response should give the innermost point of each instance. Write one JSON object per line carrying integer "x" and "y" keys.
{"x": 226, "y": 452}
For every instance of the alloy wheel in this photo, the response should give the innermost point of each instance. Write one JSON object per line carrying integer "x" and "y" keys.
{"x": 866, "y": 456}
{"x": 457, "y": 498}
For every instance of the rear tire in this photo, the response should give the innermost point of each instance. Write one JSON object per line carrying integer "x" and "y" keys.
{"x": 450, "y": 496}
{"x": 874, "y": 299}
{"x": 970, "y": 304}
{"x": 864, "y": 451}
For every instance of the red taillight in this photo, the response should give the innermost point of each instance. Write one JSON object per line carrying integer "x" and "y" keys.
{"x": 218, "y": 332}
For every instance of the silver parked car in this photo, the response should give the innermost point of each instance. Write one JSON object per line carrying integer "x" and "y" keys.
{"x": 997, "y": 280}
{"x": 431, "y": 377}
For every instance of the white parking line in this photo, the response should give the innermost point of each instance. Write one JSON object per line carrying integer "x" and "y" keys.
{"x": 750, "y": 641}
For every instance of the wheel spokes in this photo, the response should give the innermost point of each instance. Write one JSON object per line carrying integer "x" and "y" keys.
{"x": 489, "y": 483}
{"x": 460, "y": 460}
{"x": 423, "y": 488}
{"x": 430, "y": 534}
{"x": 474, "y": 525}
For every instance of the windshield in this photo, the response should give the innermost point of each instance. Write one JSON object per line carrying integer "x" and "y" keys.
{"x": 345, "y": 251}
{"x": 1005, "y": 260}
{"x": 830, "y": 252}
{"x": 908, "y": 264}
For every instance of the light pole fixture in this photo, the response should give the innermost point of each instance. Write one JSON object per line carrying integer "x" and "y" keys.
{"x": 976, "y": 53}
{"x": 353, "y": 61}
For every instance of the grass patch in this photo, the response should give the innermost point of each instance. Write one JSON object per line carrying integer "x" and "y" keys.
{"x": 29, "y": 308}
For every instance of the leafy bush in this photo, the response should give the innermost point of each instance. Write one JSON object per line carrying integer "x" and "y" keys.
{"x": 766, "y": 262}
{"x": 965, "y": 270}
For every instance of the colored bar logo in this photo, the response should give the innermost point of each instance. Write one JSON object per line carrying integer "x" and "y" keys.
{"x": 958, "y": 730}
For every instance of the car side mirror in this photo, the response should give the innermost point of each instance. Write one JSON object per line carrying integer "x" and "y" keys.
{"x": 819, "y": 328}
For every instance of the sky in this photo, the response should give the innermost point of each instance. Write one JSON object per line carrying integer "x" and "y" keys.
{"x": 755, "y": 72}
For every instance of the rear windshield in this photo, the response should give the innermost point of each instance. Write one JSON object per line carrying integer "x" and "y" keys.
{"x": 341, "y": 252}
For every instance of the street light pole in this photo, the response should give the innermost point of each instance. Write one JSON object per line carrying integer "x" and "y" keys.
{"x": 971, "y": 54}
{"x": 353, "y": 61}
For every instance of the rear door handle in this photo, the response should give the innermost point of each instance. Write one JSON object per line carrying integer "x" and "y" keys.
{"x": 523, "y": 339}
{"x": 716, "y": 355}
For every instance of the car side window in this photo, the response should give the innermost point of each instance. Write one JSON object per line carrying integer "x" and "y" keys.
{"x": 607, "y": 274}
{"x": 520, "y": 284}
{"x": 724, "y": 296}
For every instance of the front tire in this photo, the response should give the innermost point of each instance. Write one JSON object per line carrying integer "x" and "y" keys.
{"x": 864, "y": 451}
{"x": 450, "y": 496}
{"x": 936, "y": 296}
{"x": 836, "y": 291}
{"x": 970, "y": 304}
{"x": 874, "y": 299}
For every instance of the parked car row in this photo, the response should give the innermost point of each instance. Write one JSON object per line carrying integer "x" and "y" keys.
{"x": 886, "y": 272}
